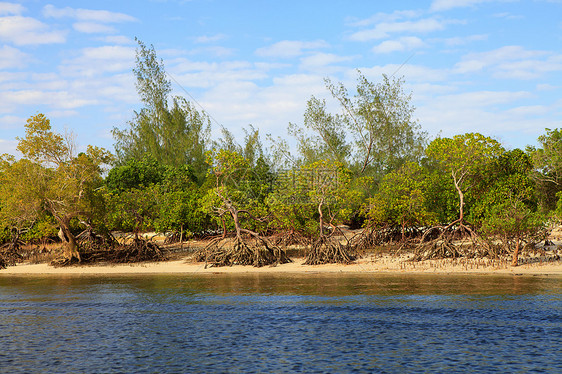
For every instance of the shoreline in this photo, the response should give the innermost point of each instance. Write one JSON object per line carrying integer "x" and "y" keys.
{"x": 369, "y": 265}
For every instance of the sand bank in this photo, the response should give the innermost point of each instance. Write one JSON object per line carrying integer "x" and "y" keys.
{"x": 381, "y": 264}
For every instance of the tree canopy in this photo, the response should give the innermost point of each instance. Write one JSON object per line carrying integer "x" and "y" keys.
{"x": 170, "y": 129}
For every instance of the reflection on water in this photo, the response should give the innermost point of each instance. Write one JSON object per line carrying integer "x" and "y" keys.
{"x": 280, "y": 323}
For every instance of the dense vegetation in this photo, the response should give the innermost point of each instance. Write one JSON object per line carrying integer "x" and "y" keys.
{"x": 368, "y": 166}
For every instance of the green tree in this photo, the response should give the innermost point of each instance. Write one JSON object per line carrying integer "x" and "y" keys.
{"x": 329, "y": 193}
{"x": 505, "y": 209}
{"x": 401, "y": 200}
{"x": 175, "y": 134}
{"x": 179, "y": 203}
{"x": 323, "y": 136}
{"x": 380, "y": 119}
{"x": 374, "y": 134}
{"x": 234, "y": 202}
{"x": 464, "y": 158}
{"x": 61, "y": 182}
{"x": 547, "y": 162}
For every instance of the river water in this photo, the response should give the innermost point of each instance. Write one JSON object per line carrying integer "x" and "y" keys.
{"x": 257, "y": 323}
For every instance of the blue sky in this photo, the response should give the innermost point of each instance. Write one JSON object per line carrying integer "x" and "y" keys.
{"x": 489, "y": 66}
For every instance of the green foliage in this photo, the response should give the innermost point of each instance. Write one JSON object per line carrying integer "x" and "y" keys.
{"x": 179, "y": 202}
{"x": 175, "y": 134}
{"x": 328, "y": 138}
{"x": 547, "y": 163}
{"x": 135, "y": 174}
{"x": 51, "y": 178}
{"x": 131, "y": 210}
{"x": 512, "y": 220}
{"x": 44, "y": 227}
{"x": 238, "y": 186}
{"x": 401, "y": 199}
{"x": 464, "y": 158}
{"x": 314, "y": 196}
{"x": 507, "y": 177}
{"x": 379, "y": 117}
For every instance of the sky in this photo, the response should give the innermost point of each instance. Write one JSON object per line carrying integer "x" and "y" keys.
{"x": 488, "y": 66}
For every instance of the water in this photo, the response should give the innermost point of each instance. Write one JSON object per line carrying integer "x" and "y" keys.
{"x": 280, "y": 324}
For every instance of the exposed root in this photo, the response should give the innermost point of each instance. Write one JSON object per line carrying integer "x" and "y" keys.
{"x": 9, "y": 255}
{"x": 138, "y": 250}
{"x": 255, "y": 251}
{"x": 329, "y": 250}
{"x": 451, "y": 242}
{"x": 289, "y": 238}
{"x": 9, "y": 252}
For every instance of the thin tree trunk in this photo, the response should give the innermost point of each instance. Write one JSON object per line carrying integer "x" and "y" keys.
{"x": 515, "y": 260}
{"x": 321, "y": 218}
{"x": 181, "y": 237}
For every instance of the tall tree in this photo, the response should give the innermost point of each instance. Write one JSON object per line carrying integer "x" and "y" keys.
{"x": 323, "y": 135}
{"x": 173, "y": 133}
{"x": 380, "y": 119}
{"x": 547, "y": 162}
{"x": 61, "y": 181}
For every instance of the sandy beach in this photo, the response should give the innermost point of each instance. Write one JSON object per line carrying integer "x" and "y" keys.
{"x": 370, "y": 264}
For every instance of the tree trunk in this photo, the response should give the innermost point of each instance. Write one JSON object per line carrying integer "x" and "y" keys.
{"x": 321, "y": 217}
{"x": 70, "y": 244}
{"x": 461, "y": 200}
{"x": 181, "y": 237}
{"x": 515, "y": 260}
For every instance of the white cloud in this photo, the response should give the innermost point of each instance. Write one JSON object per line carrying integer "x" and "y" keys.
{"x": 385, "y": 29}
{"x": 405, "y": 43}
{"x": 89, "y": 21}
{"x": 8, "y": 146}
{"x": 290, "y": 48}
{"x": 204, "y": 39}
{"x": 513, "y": 62}
{"x": 487, "y": 112}
{"x": 87, "y": 15}
{"x": 323, "y": 63}
{"x": 117, "y": 39}
{"x": 462, "y": 40}
{"x": 95, "y": 61}
{"x": 28, "y": 31}
{"x": 93, "y": 28}
{"x": 385, "y": 17}
{"x": 11, "y": 122}
{"x": 11, "y": 57}
{"x": 441, "y": 5}
{"x": 412, "y": 73}
{"x": 11, "y": 8}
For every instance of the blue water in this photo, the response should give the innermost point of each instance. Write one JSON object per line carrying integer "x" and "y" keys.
{"x": 280, "y": 324}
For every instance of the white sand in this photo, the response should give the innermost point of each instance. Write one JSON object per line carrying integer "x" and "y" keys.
{"x": 385, "y": 264}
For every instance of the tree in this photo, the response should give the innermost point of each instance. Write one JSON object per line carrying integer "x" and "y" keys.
{"x": 401, "y": 200}
{"x": 464, "y": 158}
{"x": 61, "y": 182}
{"x": 329, "y": 193}
{"x": 547, "y": 162}
{"x": 373, "y": 135}
{"x": 328, "y": 138}
{"x": 505, "y": 209}
{"x": 234, "y": 201}
{"x": 379, "y": 117}
{"x": 175, "y": 134}
{"x": 513, "y": 221}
